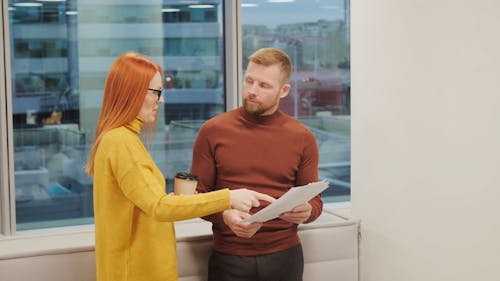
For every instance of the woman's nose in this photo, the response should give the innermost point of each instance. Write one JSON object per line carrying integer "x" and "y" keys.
{"x": 161, "y": 99}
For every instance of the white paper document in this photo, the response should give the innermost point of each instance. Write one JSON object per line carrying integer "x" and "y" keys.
{"x": 294, "y": 197}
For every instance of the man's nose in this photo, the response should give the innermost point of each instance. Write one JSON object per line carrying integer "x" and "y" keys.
{"x": 253, "y": 88}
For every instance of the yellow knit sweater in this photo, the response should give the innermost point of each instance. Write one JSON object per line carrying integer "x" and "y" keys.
{"x": 134, "y": 231}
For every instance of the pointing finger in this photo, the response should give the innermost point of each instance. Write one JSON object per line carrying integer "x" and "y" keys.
{"x": 264, "y": 197}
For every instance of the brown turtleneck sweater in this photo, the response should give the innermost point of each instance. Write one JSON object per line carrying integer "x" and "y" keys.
{"x": 269, "y": 154}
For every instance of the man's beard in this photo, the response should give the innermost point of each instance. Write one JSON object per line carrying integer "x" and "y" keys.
{"x": 254, "y": 108}
{"x": 257, "y": 109}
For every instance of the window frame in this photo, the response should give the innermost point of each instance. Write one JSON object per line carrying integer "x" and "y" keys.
{"x": 232, "y": 67}
{"x": 232, "y": 49}
{"x": 7, "y": 207}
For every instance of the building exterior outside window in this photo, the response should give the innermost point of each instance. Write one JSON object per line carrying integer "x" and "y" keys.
{"x": 318, "y": 43}
{"x": 60, "y": 54}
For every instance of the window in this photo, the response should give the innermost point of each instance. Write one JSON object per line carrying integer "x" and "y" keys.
{"x": 60, "y": 52}
{"x": 318, "y": 43}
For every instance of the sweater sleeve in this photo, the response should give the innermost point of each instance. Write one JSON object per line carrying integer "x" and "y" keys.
{"x": 203, "y": 162}
{"x": 135, "y": 177}
{"x": 165, "y": 207}
{"x": 204, "y": 166}
{"x": 308, "y": 172}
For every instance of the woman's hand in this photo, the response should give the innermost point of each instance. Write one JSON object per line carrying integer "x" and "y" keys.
{"x": 244, "y": 199}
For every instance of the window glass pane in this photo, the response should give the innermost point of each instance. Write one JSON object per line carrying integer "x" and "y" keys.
{"x": 60, "y": 54}
{"x": 315, "y": 34}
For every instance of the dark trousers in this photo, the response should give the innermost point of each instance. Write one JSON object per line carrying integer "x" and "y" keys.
{"x": 287, "y": 265}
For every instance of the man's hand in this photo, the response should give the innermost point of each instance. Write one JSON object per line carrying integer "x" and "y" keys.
{"x": 244, "y": 199}
{"x": 299, "y": 214}
{"x": 233, "y": 218}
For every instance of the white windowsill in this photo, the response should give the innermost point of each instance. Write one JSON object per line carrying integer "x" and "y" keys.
{"x": 81, "y": 238}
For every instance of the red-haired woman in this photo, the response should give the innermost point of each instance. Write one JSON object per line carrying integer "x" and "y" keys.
{"x": 134, "y": 233}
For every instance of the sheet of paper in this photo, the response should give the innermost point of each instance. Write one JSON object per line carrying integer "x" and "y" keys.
{"x": 294, "y": 197}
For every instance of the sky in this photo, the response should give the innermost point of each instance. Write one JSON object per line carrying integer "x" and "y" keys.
{"x": 279, "y": 13}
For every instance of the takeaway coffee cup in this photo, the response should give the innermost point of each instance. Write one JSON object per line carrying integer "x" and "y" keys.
{"x": 185, "y": 183}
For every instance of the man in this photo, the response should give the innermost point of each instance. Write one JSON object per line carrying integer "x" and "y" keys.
{"x": 260, "y": 148}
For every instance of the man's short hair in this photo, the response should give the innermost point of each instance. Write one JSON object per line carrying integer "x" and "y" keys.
{"x": 270, "y": 56}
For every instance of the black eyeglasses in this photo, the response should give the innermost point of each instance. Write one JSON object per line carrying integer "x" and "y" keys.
{"x": 157, "y": 92}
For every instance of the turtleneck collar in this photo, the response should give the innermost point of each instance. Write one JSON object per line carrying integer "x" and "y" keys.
{"x": 261, "y": 119}
{"x": 135, "y": 125}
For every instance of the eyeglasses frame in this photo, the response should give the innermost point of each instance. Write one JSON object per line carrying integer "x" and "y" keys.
{"x": 157, "y": 92}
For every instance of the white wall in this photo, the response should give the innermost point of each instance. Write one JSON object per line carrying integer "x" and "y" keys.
{"x": 426, "y": 138}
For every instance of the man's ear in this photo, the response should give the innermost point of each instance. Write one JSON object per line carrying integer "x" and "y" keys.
{"x": 285, "y": 89}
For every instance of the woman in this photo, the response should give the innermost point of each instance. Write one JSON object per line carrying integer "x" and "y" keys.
{"x": 134, "y": 233}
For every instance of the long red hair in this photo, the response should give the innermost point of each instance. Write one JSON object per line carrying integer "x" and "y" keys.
{"x": 124, "y": 93}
